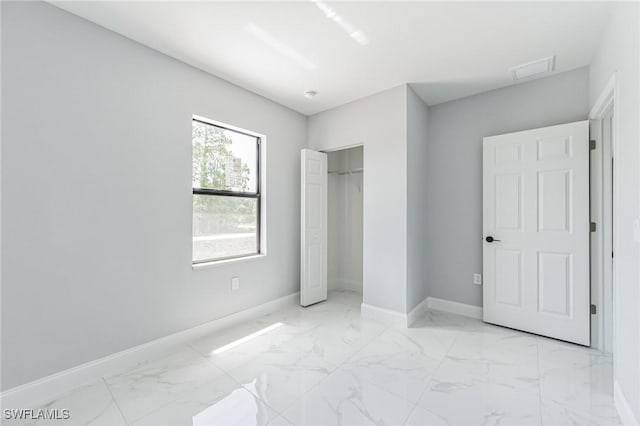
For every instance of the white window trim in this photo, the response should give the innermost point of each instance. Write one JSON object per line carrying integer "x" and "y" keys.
{"x": 221, "y": 262}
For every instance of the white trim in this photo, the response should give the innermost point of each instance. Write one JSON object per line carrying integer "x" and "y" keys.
{"x": 352, "y": 285}
{"x": 454, "y": 307}
{"x": 383, "y": 315}
{"x": 50, "y": 387}
{"x": 344, "y": 284}
{"x": 605, "y": 99}
{"x": 623, "y": 407}
{"x": 214, "y": 263}
{"x": 603, "y": 325}
{"x": 226, "y": 126}
{"x": 417, "y": 312}
{"x": 596, "y": 239}
{"x": 341, "y": 148}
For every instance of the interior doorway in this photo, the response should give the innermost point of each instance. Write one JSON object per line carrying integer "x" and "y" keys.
{"x": 345, "y": 220}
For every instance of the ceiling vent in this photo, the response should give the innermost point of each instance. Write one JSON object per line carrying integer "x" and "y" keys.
{"x": 533, "y": 69}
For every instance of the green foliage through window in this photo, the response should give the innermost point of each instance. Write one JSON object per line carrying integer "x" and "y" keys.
{"x": 224, "y": 161}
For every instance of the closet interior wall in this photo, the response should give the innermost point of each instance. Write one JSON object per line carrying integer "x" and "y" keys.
{"x": 345, "y": 222}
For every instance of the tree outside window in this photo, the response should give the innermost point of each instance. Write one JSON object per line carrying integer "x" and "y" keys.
{"x": 225, "y": 193}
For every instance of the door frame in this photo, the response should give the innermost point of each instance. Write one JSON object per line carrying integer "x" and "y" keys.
{"x": 326, "y": 151}
{"x": 602, "y": 283}
{"x": 342, "y": 148}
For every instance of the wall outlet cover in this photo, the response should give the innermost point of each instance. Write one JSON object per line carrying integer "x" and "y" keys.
{"x": 235, "y": 283}
{"x": 477, "y": 279}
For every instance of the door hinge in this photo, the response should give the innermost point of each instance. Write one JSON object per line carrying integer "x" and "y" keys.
{"x": 592, "y": 227}
{"x": 592, "y": 144}
{"x": 593, "y": 309}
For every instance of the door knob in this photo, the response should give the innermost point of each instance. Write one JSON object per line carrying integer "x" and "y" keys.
{"x": 490, "y": 239}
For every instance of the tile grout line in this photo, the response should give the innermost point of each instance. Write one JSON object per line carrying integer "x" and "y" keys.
{"x": 567, "y": 408}
{"x": 165, "y": 404}
{"x": 380, "y": 329}
{"x": 385, "y": 328}
{"x": 453, "y": 341}
{"x": 177, "y": 396}
{"x": 338, "y": 366}
{"x": 280, "y": 413}
{"x": 245, "y": 388}
{"x": 413, "y": 405}
{"x": 115, "y": 401}
{"x": 539, "y": 378}
{"x": 226, "y": 373}
{"x": 330, "y": 374}
{"x": 417, "y": 404}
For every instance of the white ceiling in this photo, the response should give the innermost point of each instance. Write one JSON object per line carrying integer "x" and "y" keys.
{"x": 447, "y": 50}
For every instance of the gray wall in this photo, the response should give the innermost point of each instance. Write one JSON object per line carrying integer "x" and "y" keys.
{"x": 96, "y": 194}
{"x": 454, "y": 169}
{"x": 418, "y": 207}
{"x": 619, "y": 53}
{"x": 377, "y": 122}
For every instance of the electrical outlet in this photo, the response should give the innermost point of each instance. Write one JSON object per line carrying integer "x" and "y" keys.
{"x": 235, "y": 283}
{"x": 477, "y": 279}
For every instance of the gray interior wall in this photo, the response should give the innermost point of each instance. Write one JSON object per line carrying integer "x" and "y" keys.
{"x": 377, "y": 122}
{"x": 454, "y": 169}
{"x": 418, "y": 207}
{"x": 619, "y": 52}
{"x": 96, "y": 194}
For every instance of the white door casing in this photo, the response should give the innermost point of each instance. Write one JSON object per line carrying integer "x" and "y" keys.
{"x": 313, "y": 241}
{"x": 536, "y": 206}
{"x": 606, "y": 286}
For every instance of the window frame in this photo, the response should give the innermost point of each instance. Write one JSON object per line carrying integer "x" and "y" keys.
{"x": 258, "y": 196}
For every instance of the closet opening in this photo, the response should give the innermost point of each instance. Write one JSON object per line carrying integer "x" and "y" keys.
{"x": 345, "y": 223}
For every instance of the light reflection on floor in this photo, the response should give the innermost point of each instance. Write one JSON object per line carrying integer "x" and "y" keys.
{"x": 326, "y": 365}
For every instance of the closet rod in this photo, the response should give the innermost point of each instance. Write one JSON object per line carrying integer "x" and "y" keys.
{"x": 346, "y": 172}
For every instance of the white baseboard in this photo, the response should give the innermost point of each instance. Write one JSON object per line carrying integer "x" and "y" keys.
{"x": 55, "y": 385}
{"x": 417, "y": 312}
{"x": 389, "y": 316}
{"x": 383, "y": 315}
{"x": 622, "y": 405}
{"x": 454, "y": 307}
{"x": 341, "y": 284}
{"x": 352, "y": 285}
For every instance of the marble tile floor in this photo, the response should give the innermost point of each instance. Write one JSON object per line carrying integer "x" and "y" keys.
{"x": 325, "y": 365}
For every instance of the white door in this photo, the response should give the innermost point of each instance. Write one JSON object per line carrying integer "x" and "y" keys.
{"x": 536, "y": 231}
{"x": 313, "y": 256}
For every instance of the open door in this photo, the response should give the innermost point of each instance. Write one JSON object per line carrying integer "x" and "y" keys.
{"x": 313, "y": 241}
{"x": 536, "y": 231}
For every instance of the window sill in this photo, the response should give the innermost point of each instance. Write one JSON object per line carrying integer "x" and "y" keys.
{"x": 214, "y": 263}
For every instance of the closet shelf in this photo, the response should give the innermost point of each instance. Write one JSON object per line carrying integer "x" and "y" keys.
{"x": 346, "y": 172}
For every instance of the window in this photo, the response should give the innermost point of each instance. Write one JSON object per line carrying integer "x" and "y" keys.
{"x": 226, "y": 192}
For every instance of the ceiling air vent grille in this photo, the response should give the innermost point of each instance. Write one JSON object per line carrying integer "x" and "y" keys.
{"x": 533, "y": 69}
